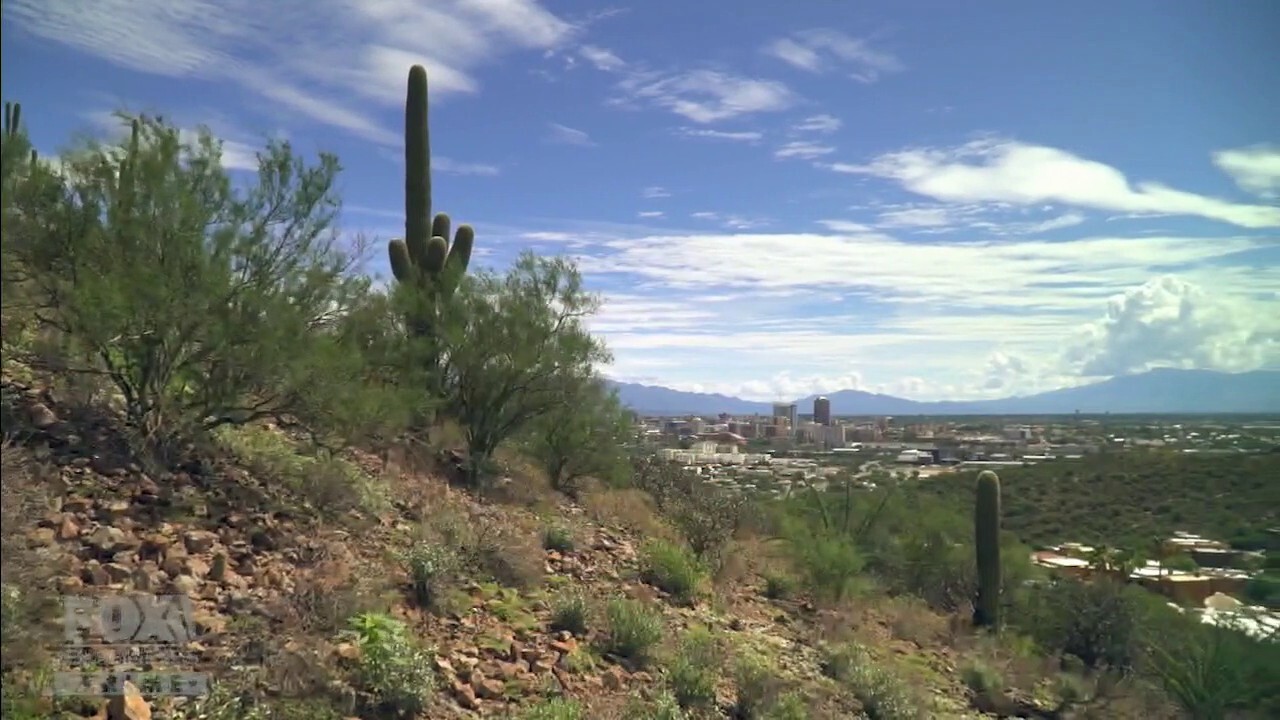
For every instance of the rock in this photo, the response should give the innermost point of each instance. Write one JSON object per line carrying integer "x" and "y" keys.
{"x": 466, "y": 695}
{"x": 185, "y": 584}
{"x": 490, "y": 689}
{"x": 41, "y": 537}
{"x": 41, "y": 416}
{"x": 68, "y": 528}
{"x": 614, "y": 678}
{"x": 108, "y": 540}
{"x": 199, "y": 541}
{"x": 118, "y": 573}
{"x": 128, "y": 705}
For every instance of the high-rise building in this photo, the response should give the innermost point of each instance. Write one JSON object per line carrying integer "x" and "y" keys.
{"x": 822, "y": 411}
{"x": 786, "y": 410}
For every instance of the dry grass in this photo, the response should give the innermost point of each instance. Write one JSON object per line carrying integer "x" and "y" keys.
{"x": 631, "y": 509}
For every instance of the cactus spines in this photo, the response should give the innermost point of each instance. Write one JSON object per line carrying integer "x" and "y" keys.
{"x": 424, "y": 256}
{"x": 986, "y": 535}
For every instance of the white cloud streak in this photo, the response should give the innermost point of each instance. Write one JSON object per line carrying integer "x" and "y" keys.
{"x": 821, "y": 50}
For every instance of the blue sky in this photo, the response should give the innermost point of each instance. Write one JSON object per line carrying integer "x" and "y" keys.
{"x": 911, "y": 197}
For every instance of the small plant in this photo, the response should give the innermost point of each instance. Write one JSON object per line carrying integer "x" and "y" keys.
{"x": 394, "y": 672}
{"x": 779, "y": 586}
{"x": 569, "y": 613}
{"x": 884, "y": 696}
{"x": 693, "y": 672}
{"x": 555, "y": 709}
{"x": 662, "y": 707}
{"x": 557, "y": 538}
{"x": 634, "y": 629}
{"x": 982, "y": 679}
{"x": 673, "y": 569}
{"x": 429, "y": 566}
{"x": 760, "y": 686}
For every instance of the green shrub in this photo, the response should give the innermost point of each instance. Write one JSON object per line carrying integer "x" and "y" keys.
{"x": 569, "y": 613}
{"x": 555, "y": 709}
{"x": 779, "y": 586}
{"x": 633, "y": 629}
{"x": 673, "y": 569}
{"x": 429, "y": 568}
{"x": 394, "y": 672}
{"x": 662, "y": 707}
{"x": 557, "y": 538}
{"x": 1213, "y": 672}
{"x": 759, "y": 684}
{"x": 883, "y": 695}
{"x": 693, "y": 671}
{"x": 1098, "y": 622}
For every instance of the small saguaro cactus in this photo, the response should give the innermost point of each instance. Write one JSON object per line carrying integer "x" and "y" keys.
{"x": 986, "y": 536}
{"x": 424, "y": 256}
{"x": 13, "y": 124}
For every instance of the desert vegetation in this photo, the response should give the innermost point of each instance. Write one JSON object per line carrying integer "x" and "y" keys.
{"x": 421, "y": 500}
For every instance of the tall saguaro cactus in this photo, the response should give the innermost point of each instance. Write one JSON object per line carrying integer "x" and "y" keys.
{"x": 986, "y": 535}
{"x": 424, "y": 257}
{"x": 13, "y": 125}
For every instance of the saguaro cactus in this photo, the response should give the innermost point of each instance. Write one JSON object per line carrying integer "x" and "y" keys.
{"x": 986, "y": 536}
{"x": 424, "y": 257}
{"x": 13, "y": 124}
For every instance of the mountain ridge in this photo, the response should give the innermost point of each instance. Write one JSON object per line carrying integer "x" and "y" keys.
{"x": 1158, "y": 391}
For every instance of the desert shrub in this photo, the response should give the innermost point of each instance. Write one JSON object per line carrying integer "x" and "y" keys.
{"x": 583, "y": 437}
{"x": 394, "y": 672}
{"x": 430, "y": 567}
{"x": 569, "y": 613}
{"x": 694, "y": 671}
{"x": 707, "y": 516}
{"x": 883, "y": 694}
{"x": 558, "y": 538}
{"x": 759, "y": 685}
{"x": 1098, "y": 622}
{"x": 829, "y": 563}
{"x": 1213, "y": 672}
{"x": 204, "y": 304}
{"x": 672, "y": 569}
{"x": 633, "y": 629}
{"x": 329, "y": 485}
{"x": 663, "y": 706}
{"x": 779, "y": 585}
{"x": 554, "y": 709}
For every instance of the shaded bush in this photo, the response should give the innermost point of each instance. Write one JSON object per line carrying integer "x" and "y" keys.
{"x": 671, "y": 568}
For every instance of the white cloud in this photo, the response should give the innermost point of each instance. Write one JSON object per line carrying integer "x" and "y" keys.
{"x": 730, "y": 221}
{"x": 1255, "y": 169}
{"x": 453, "y": 167}
{"x": 565, "y": 135}
{"x": 818, "y": 123}
{"x": 236, "y": 155}
{"x": 654, "y": 192}
{"x": 706, "y": 96}
{"x": 1018, "y": 173}
{"x": 747, "y": 136}
{"x": 318, "y": 59}
{"x": 600, "y": 57}
{"x": 821, "y": 50}
{"x": 650, "y": 214}
{"x": 1170, "y": 322}
{"x": 802, "y": 150}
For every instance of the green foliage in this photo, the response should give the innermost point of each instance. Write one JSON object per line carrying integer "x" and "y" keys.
{"x": 633, "y": 629}
{"x": 394, "y": 671}
{"x": 429, "y": 567}
{"x": 1098, "y": 622}
{"x": 569, "y": 613}
{"x": 693, "y": 672}
{"x": 671, "y": 568}
{"x": 330, "y": 485}
{"x": 1212, "y": 672}
{"x": 554, "y": 709}
{"x": 558, "y": 538}
{"x": 883, "y": 694}
{"x": 662, "y": 707}
{"x": 513, "y": 343}
{"x": 202, "y": 304}
{"x": 760, "y": 686}
{"x": 1125, "y": 499}
{"x": 779, "y": 585}
{"x": 1264, "y": 589}
{"x": 986, "y": 518}
{"x": 707, "y": 516}
{"x": 583, "y": 437}
{"x": 829, "y": 562}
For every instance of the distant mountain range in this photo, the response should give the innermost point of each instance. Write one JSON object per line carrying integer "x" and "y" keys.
{"x": 1164, "y": 391}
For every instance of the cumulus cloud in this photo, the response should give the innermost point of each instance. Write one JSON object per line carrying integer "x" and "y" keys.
{"x": 319, "y": 59}
{"x": 821, "y": 50}
{"x": 1255, "y": 169}
{"x": 1014, "y": 172}
{"x": 1170, "y": 322}
{"x": 565, "y": 135}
